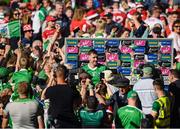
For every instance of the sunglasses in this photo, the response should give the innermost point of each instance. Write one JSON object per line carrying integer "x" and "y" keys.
{"x": 177, "y": 26}
{"x": 16, "y": 14}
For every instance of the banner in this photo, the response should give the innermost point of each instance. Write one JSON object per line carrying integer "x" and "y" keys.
{"x": 11, "y": 29}
{"x": 124, "y": 56}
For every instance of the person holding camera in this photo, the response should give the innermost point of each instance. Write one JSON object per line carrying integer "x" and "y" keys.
{"x": 61, "y": 97}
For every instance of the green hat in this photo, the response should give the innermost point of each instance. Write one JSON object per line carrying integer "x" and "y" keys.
{"x": 132, "y": 94}
{"x": 42, "y": 75}
{"x": 21, "y": 76}
{"x": 4, "y": 72}
{"x": 147, "y": 70}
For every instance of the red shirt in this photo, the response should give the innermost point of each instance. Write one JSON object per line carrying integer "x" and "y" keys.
{"x": 119, "y": 17}
{"x": 75, "y": 24}
{"x": 48, "y": 33}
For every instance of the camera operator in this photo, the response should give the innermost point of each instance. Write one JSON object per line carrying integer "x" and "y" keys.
{"x": 61, "y": 98}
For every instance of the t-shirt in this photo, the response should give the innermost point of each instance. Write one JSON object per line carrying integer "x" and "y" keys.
{"x": 48, "y": 33}
{"x": 95, "y": 73}
{"x": 24, "y": 113}
{"x": 130, "y": 116}
{"x": 61, "y": 102}
{"x": 91, "y": 119}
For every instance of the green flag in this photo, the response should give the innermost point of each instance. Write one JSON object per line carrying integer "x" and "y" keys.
{"x": 11, "y": 29}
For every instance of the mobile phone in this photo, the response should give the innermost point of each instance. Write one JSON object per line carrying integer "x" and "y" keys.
{"x": 101, "y": 76}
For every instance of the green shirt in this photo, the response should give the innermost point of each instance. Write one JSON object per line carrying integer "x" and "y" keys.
{"x": 129, "y": 117}
{"x": 91, "y": 119}
{"x": 43, "y": 12}
{"x": 20, "y": 76}
{"x": 95, "y": 73}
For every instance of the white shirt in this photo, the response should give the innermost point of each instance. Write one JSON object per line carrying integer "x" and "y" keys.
{"x": 152, "y": 21}
{"x": 176, "y": 40}
{"x": 36, "y": 23}
{"x": 144, "y": 88}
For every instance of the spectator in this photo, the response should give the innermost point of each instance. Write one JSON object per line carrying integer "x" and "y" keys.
{"x": 36, "y": 49}
{"x": 174, "y": 89}
{"x": 175, "y": 34}
{"x": 62, "y": 19}
{"x": 110, "y": 23}
{"x": 154, "y": 19}
{"x": 161, "y": 106}
{"x": 92, "y": 117}
{"x": 119, "y": 98}
{"x": 28, "y": 33}
{"x": 24, "y": 112}
{"x": 145, "y": 90}
{"x": 130, "y": 116}
{"x": 89, "y": 5}
{"x": 77, "y": 20}
{"x": 93, "y": 68}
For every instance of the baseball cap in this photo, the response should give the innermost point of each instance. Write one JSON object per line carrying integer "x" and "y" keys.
{"x": 147, "y": 70}
{"x": 27, "y": 27}
{"x": 108, "y": 15}
{"x": 132, "y": 94}
{"x": 50, "y": 18}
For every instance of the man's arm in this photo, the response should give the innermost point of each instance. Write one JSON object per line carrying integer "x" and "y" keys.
{"x": 5, "y": 119}
{"x": 40, "y": 122}
{"x": 155, "y": 109}
{"x": 4, "y": 122}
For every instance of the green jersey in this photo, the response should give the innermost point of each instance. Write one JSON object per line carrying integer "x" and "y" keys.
{"x": 21, "y": 76}
{"x": 91, "y": 119}
{"x": 95, "y": 73}
{"x": 130, "y": 117}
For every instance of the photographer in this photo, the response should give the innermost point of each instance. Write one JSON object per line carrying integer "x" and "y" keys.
{"x": 61, "y": 98}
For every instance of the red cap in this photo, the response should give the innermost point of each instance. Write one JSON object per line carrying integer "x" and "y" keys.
{"x": 27, "y": 27}
{"x": 50, "y": 18}
{"x": 139, "y": 5}
{"x": 131, "y": 13}
{"x": 109, "y": 110}
{"x": 91, "y": 14}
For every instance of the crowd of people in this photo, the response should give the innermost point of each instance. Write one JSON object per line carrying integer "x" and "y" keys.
{"x": 38, "y": 89}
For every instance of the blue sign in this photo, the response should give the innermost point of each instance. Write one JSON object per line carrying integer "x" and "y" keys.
{"x": 113, "y": 43}
{"x": 139, "y": 50}
{"x": 152, "y": 56}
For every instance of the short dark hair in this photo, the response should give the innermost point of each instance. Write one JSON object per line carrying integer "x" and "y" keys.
{"x": 92, "y": 51}
{"x": 61, "y": 70}
{"x": 158, "y": 83}
{"x": 175, "y": 72}
{"x": 92, "y": 102}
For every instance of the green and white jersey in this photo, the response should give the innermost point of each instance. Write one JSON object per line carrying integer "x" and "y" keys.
{"x": 91, "y": 119}
{"x": 95, "y": 72}
{"x": 43, "y": 12}
{"x": 130, "y": 116}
